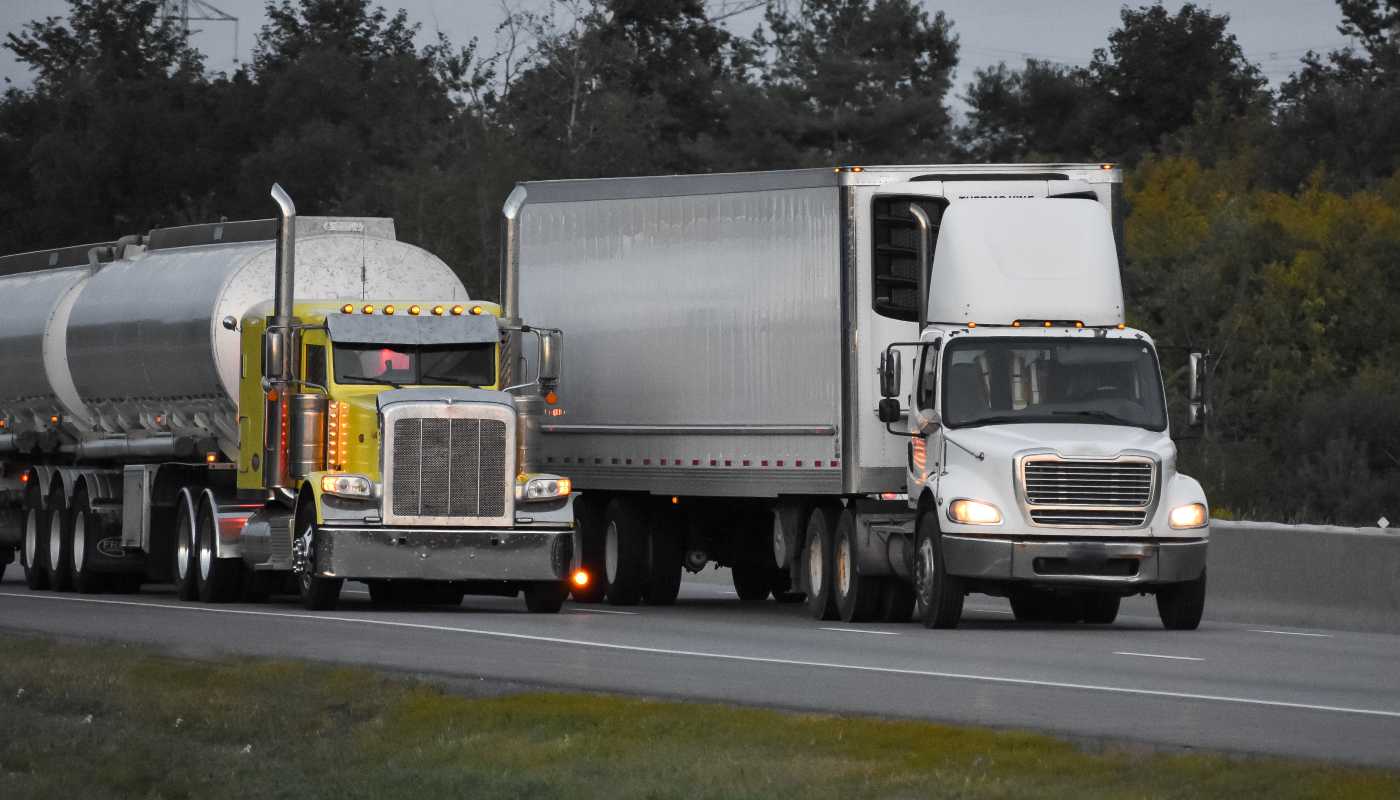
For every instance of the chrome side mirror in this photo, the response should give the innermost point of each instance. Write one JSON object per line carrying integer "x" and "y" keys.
{"x": 274, "y": 353}
{"x": 1196, "y": 406}
{"x": 891, "y": 373}
{"x": 551, "y": 350}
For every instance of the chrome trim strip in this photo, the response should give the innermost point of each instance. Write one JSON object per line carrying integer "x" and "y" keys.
{"x": 434, "y": 410}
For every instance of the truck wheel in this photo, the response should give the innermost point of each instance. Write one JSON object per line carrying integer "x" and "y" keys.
{"x": 752, "y": 582}
{"x": 816, "y": 561}
{"x": 896, "y": 600}
{"x": 1180, "y": 605}
{"x": 1101, "y": 608}
{"x": 185, "y": 586}
{"x": 60, "y": 548}
{"x": 545, "y": 597}
{"x": 780, "y": 584}
{"x": 666, "y": 552}
{"x": 34, "y": 556}
{"x": 317, "y": 593}
{"x": 592, "y": 530}
{"x": 624, "y": 552}
{"x": 857, "y": 597}
{"x": 217, "y": 580}
{"x": 87, "y": 532}
{"x": 939, "y": 595}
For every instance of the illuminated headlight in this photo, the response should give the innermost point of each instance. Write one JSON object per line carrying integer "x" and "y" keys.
{"x": 357, "y": 486}
{"x": 542, "y": 487}
{"x": 1188, "y": 516}
{"x": 974, "y": 512}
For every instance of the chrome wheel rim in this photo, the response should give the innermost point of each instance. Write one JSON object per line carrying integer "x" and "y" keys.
{"x": 924, "y": 570}
{"x": 206, "y": 555}
{"x": 308, "y": 538}
{"x": 79, "y": 541}
{"x": 814, "y": 564}
{"x": 610, "y": 553}
{"x": 182, "y": 547}
{"x": 843, "y": 567}
{"x": 31, "y": 537}
{"x": 56, "y": 540}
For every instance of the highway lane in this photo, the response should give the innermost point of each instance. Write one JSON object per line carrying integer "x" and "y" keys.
{"x": 1238, "y": 688}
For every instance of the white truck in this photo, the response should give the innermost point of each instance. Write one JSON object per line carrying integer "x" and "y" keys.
{"x": 735, "y": 391}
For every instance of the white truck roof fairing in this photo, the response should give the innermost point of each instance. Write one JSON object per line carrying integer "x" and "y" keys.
{"x": 1000, "y": 260}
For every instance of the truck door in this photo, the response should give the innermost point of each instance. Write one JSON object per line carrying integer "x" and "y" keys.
{"x": 925, "y": 448}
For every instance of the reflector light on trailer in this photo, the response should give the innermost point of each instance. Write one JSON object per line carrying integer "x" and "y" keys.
{"x": 580, "y": 578}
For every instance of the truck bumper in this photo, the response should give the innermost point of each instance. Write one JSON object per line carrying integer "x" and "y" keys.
{"x": 1072, "y": 562}
{"x": 444, "y": 554}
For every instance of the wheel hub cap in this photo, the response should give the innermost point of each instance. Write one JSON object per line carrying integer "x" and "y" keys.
{"x": 610, "y": 553}
{"x": 814, "y": 563}
{"x": 31, "y": 537}
{"x": 55, "y": 540}
{"x": 79, "y": 542}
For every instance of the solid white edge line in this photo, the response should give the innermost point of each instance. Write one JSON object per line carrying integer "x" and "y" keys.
{"x": 859, "y": 630}
{"x": 1292, "y": 633}
{"x": 1156, "y": 655}
{"x": 916, "y": 673}
{"x": 603, "y": 611}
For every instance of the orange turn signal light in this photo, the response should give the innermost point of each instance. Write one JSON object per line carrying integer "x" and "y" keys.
{"x": 550, "y": 397}
{"x": 580, "y": 578}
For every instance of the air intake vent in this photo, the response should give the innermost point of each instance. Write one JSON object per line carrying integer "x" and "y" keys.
{"x": 449, "y": 468}
{"x": 1088, "y": 493}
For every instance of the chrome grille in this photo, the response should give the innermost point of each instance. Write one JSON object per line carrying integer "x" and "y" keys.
{"x": 449, "y": 467}
{"x": 1088, "y": 493}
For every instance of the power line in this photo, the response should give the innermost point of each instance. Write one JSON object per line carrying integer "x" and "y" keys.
{"x": 183, "y": 12}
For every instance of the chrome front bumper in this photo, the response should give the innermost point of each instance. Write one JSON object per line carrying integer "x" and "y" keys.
{"x": 1074, "y": 562}
{"x": 444, "y": 554}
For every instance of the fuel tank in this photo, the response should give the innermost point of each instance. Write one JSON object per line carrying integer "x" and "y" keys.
{"x": 135, "y": 344}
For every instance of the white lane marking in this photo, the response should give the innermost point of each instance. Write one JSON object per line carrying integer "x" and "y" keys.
{"x": 603, "y": 611}
{"x": 991, "y": 610}
{"x": 1156, "y": 655}
{"x": 859, "y": 630}
{"x": 631, "y": 648}
{"x": 1292, "y": 633}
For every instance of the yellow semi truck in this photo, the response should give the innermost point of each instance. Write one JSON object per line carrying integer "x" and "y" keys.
{"x": 248, "y": 408}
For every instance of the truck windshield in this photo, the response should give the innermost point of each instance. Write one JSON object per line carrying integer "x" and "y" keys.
{"x": 442, "y": 365}
{"x": 1105, "y": 381}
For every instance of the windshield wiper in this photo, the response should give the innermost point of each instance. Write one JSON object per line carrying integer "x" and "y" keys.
{"x": 1103, "y": 415}
{"x": 367, "y": 379}
{"x": 995, "y": 420}
{"x": 450, "y": 380}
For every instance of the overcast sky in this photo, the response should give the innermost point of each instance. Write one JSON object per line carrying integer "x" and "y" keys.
{"x": 1273, "y": 33}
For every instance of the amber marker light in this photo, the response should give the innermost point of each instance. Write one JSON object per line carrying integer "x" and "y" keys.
{"x": 437, "y": 311}
{"x": 210, "y": 458}
{"x": 1078, "y": 324}
{"x": 971, "y": 325}
{"x": 53, "y": 420}
{"x": 550, "y": 397}
{"x": 1016, "y": 323}
{"x": 389, "y": 310}
{"x": 1047, "y": 323}
{"x": 580, "y": 579}
{"x": 24, "y": 478}
{"x": 675, "y": 501}
{"x": 476, "y": 311}
{"x": 457, "y": 311}
{"x": 1122, "y": 325}
{"x": 2, "y": 424}
{"x": 368, "y": 309}
{"x": 414, "y": 311}
{"x": 348, "y": 308}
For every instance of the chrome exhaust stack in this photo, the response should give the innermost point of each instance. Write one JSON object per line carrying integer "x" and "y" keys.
{"x": 278, "y": 369}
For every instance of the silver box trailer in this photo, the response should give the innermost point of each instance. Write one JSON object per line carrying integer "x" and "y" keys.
{"x": 725, "y": 335}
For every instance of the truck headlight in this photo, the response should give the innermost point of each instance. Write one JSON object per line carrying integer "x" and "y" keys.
{"x": 1192, "y": 515}
{"x": 542, "y": 487}
{"x": 356, "y": 486}
{"x": 974, "y": 512}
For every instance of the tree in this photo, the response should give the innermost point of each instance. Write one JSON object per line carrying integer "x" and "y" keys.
{"x": 860, "y": 80}
{"x": 1043, "y": 112}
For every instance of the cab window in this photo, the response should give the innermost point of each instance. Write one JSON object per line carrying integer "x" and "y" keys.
{"x": 928, "y": 373}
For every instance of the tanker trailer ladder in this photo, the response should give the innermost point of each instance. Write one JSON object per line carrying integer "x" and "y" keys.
{"x": 1030, "y": 455}
{"x": 254, "y": 408}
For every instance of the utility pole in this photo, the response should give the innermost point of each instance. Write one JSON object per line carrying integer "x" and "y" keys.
{"x": 183, "y": 12}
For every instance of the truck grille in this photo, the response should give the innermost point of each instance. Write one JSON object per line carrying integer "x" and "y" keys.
{"x": 1088, "y": 493}
{"x": 449, "y": 468}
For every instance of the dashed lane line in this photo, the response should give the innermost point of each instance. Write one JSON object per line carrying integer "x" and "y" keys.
{"x": 861, "y": 630}
{"x": 1292, "y": 633}
{"x": 1156, "y": 655}
{"x": 861, "y": 668}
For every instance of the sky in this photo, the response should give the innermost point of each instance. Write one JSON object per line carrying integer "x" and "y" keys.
{"x": 1273, "y": 33}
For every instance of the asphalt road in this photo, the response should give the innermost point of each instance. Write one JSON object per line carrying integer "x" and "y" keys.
{"x": 1227, "y": 687}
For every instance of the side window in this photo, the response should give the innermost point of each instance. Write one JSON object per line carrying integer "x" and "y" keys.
{"x": 928, "y": 374}
{"x": 316, "y": 364}
{"x": 894, "y": 235}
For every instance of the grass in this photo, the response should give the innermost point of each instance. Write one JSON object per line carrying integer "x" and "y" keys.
{"x": 95, "y": 721}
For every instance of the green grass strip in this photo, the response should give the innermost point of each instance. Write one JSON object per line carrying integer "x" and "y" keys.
{"x": 97, "y": 721}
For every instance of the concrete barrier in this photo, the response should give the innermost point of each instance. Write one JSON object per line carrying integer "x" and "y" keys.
{"x": 1304, "y": 576}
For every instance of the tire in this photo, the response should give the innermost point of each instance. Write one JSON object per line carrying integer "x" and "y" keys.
{"x": 184, "y": 546}
{"x": 857, "y": 597}
{"x": 938, "y": 595}
{"x": 665, "y": 552}
{"x": 317, "y": 593}
{"x": 1180, "y": 605}
{"x": 86, "y": 530}
{"x": 217, "y": 580}
{"x": 780, "y": 584}
{"x": 1031, "y": 605}
{"x": 625, "y": 552}
{"x": 592, "y": 530}
{"x": 1101, "y": 608}
{"x": 816, "y": 561}
{"x": 545, "y": 597}
{"x": 60, "y": 545}
{"x": 1067, "y": 609}
{"x": 896, "y": 600}
{"x": 34, "y": 555}
{"x": 752, "y": 582}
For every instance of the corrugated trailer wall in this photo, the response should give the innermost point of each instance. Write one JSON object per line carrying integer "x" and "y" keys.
{"x": 703, "y": 339}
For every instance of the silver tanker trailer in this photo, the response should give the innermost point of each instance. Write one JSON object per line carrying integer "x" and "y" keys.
{"x": 249, "y": 407}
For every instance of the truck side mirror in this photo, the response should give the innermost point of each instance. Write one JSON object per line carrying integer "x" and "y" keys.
{"x": 274, "y": 354}
{"x": 891, "y": 369}
{"x": 889, "y": 410}
{"x": 551, "y": 347}
{"x": 1196, "y": 406}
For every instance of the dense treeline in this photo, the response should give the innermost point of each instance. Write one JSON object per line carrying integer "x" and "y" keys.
{"x": 1264, "y": 226}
